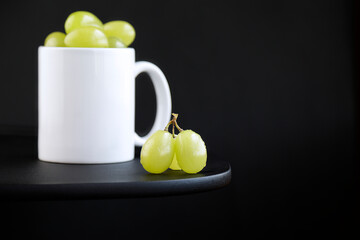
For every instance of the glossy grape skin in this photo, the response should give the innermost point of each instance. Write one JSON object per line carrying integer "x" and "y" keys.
{"x": 190, "y": 151}
{"x": 55, "y": 39}
{"x": 114, "y": 42}
{"x": 87, "y": 37}
{"x": 81, "y": 19}
{"x": 120, "y": 29}
{"x": 157, "y": 152}
{"x": 175, "y": 165}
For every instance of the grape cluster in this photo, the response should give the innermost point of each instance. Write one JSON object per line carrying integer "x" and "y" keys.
{"x": 84, "y": 29}
{"x": 185, "y": 151}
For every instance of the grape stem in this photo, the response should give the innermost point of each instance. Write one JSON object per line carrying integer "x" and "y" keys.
{"x": 168, "y": 125}
{"x": 174, "y": 124}
{"x": 175, "y": 116}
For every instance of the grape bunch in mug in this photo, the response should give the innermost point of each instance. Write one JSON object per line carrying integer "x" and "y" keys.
{"x": 84, "y": 29}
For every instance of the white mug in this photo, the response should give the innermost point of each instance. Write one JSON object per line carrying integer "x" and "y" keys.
{"x": 87, "y": 104}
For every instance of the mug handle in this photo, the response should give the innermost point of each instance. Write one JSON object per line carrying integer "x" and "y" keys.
{"x": 163, "y": 98}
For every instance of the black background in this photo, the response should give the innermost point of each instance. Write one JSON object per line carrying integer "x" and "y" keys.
{"x": 271, "y": 86}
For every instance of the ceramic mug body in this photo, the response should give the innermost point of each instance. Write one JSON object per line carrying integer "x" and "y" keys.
{"x": 87, "y": 104}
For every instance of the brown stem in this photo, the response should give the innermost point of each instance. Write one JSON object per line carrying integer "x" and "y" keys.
{"x": 175, "y": 116}
{"x": 167, "y": 126}
{"x": 179, "y": 128}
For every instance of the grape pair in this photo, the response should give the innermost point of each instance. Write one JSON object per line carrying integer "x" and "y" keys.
{"x": 84, "y": 29}
{"x": 185, "y": 151}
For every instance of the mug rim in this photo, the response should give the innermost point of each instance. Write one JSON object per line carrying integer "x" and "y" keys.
{"x": 86, "y": 49}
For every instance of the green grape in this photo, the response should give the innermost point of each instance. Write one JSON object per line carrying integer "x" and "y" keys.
{"x": 158, "y": 152}
{"x": 175, "y": 165}
{"x": 190, "y": 151}
{"x": 87, "y": 37}
{"x": 81, "y": 19}
{"x": 120, "y": 29}
{"x": 55, "y": 39}
{"x": 114, "y": 42}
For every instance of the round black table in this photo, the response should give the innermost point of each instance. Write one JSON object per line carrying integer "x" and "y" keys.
{"x": 23, "y": 176}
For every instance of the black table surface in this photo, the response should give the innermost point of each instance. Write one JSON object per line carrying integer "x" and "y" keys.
{"x": 23, "y": 176}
